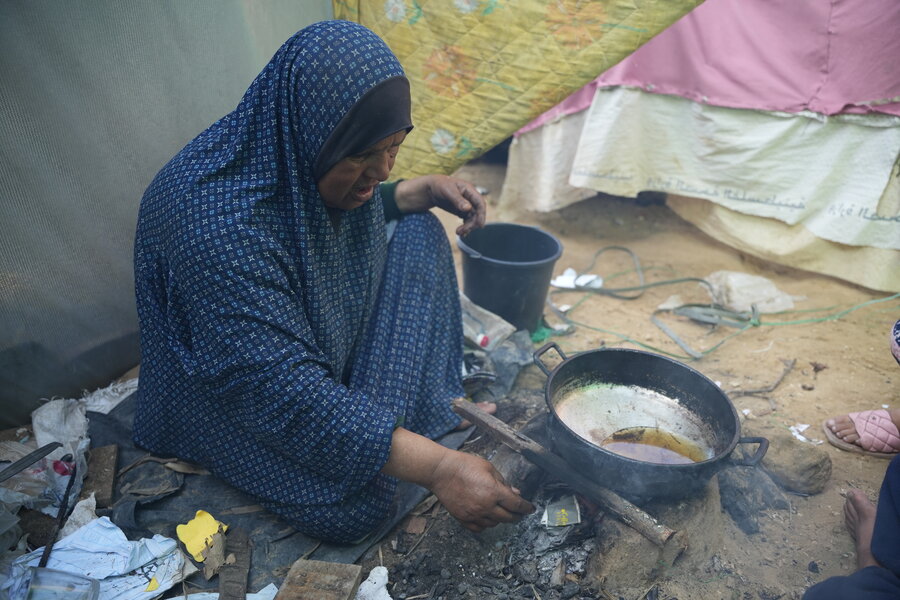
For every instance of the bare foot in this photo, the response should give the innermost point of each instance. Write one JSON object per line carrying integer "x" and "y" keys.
{"x": 859, "y": 517}
{"x": 488, "y": 407}
{"x": 843, "y": 427}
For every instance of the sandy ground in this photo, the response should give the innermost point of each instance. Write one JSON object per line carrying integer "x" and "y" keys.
{"x": 794, "y": 548}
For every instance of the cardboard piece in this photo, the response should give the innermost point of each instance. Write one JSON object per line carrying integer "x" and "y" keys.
{"x": 101, "y": 475}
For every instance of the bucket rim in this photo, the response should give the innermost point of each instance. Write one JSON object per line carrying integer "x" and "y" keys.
{"x": 474, "y": 254}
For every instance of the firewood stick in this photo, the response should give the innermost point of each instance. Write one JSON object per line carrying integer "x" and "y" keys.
{"x": 623, "y": 510}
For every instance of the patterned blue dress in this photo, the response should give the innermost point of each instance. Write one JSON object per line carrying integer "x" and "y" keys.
{"x": 278, "y": 351}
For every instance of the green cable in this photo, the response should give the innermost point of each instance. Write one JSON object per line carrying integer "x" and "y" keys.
{"x": 654, "y": 348}
{"x": 642, "y": 286}
{"x": 753, "y": 321}
{"x": 750, "y": 323}
{"x": 836, "y": 315}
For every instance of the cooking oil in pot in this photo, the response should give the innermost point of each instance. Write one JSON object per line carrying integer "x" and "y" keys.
{"x": 654, "y": 445}
{"x": 635, "y": 422}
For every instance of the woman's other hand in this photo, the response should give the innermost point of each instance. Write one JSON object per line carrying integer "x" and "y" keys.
{"x": 454, "y": 195}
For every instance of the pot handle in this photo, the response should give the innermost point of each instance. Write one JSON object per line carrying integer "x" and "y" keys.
{"x": 758, "y": 456}
{"x": 537, "y": 356}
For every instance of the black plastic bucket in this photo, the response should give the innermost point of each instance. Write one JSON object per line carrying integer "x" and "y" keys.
{"x": 507, "y": 270}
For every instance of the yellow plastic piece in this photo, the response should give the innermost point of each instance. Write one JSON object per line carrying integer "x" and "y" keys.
{"x": 196, "y": 534}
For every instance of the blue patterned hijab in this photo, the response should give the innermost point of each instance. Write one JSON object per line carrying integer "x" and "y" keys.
{"x": 246, "y": 188}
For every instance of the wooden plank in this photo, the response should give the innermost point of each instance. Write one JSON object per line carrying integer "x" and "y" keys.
{"x": 233, "y": 577}
{"x": 101, "y": 475}
{"x": 624, "y": 510}
{"x": 516, "y": 470}
{"x": 321, "y": 580}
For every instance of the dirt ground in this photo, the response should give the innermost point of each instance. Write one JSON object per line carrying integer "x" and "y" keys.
{"x": 794, "y": 548}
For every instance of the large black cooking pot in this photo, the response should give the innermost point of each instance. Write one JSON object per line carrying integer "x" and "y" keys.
{"x": 634, "y": 402}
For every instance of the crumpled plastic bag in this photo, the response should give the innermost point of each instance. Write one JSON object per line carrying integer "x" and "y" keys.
{"x": 26, "y": 487}
{"x": 375, "y": 586}
{"x": 63, "y": 421}
{"x": 481, "y": 327}
{"x": 740, "y": 291}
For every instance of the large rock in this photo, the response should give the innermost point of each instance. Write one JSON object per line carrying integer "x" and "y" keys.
{"x": 796, "y": 466}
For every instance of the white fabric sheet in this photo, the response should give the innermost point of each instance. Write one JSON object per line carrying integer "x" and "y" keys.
{"x": 828, "y": 173}
{"x": 634, "y": 141}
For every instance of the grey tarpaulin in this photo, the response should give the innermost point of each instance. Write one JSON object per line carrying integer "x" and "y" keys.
{"x": 94, "y": 98}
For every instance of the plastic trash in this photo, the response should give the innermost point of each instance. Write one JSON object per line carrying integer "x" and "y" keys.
{"x": 375, "y": 586}
{"x": 50, "y": 584}
{"x": 572, "y": 280}
{"x": 740, "y": 291}
{"x": 125, "y": 570}
{"x": 481, "y": 327}
{"x": 562, "y": 512}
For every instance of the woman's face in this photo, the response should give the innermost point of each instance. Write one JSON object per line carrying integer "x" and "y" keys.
{"x": 351, "y": 183}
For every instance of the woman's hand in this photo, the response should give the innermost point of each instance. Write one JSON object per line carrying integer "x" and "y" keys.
{"x": 472, "y": 490}
{"x": 448, "y": 193}
{"x": 468, "y": 486}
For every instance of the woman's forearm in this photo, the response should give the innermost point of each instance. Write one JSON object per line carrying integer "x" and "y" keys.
{"x": 414, "y": 458}
{"x": 468, "y": 486}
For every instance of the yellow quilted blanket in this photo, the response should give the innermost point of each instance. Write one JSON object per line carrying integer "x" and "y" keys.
{"x": 480, "y": 69}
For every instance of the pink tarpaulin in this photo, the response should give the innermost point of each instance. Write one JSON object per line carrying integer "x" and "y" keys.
{"x": 841, "y": 56}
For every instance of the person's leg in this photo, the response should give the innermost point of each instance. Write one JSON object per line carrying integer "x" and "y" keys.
{"x": 411, "y": 358}
{"x": 876, "y": 532}
{"x": 871, "y": 583}
{"x": 859, "y": 517}
{"x": 886, "y": 538}
{"x": 347, "y": 522}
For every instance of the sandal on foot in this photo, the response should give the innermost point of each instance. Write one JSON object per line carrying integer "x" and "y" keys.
{"x": 878, "y": 436}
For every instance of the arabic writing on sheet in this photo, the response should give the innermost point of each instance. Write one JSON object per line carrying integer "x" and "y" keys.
{"x": 611, "y": 174}
{"x": 851, "y": 209}
{"x": 677, "y": 185}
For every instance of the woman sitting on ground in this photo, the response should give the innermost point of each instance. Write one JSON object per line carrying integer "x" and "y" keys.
{"x": 300, "y": 322}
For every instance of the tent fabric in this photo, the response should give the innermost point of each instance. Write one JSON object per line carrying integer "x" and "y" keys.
{"x": 825, "y": 57}
{"x": 95, "y": 99}
{"x": 641, "y": 141}
{"x": 792, "y": 245}
{"x": 832, "y": 57}
{"x": 480, "y": 69}
{"x": 784, "y": 115}
{"x": 829, "y": 174}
